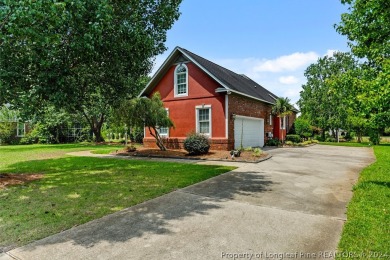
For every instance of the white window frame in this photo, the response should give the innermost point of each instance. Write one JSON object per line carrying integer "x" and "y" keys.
{"x": 18, "y": 134}
{"x": 283, "y": 122}
{"x": 159, "y": 129}
{"x": 197, "y": 108}
{"x": 175, "y": 81}
{"x": 270, "y": 119}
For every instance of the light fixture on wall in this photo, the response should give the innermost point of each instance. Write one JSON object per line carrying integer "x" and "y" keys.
{"x": 233, "y": 116}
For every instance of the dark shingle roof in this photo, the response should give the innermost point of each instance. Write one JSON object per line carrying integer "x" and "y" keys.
{"x": 232, "y": 80}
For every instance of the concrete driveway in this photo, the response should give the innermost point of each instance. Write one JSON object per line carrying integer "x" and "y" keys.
{"x": 290, "y": 206}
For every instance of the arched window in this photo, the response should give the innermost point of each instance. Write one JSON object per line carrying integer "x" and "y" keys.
{"x": 181, "y": 80}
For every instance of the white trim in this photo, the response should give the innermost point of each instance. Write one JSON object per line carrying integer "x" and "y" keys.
{"x": 249, "y": 117}
{"x": 270, "y": 119}
{"x": 272, "y": 97}
{"x": 210, "y": 118}
{"x": 283, "y": 120}
{"x": 257, "y": 119}
{"x": 158, "y": 71}
{"x": 202, "y": 106}
{"x": 17, "y": 129}
{"x": 175, "y": 81}
{"x": 167, "y": 134}
{"x": 201, "y": 67}
{"x": 227, "y": 116}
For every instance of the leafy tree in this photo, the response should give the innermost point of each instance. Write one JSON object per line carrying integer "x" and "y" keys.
{"x": 8, "y": 118}
{"x": 303, "y": 127}
{"x": 81, "y": 56}
{"x": 367, "y": 26}
{"x": 329, "y": 91}
{"x": 145, "y": 112}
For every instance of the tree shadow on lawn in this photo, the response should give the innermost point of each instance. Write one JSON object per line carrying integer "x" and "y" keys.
{"x": 159, "y": 216}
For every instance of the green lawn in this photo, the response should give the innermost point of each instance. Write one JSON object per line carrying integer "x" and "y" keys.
{"x": 351, "y": 144}
{"x": 366, "y": 233}
{"x": 18, "y": 153}
{"x": 75, "y": 190}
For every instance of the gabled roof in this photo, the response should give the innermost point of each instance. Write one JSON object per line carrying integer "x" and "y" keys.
{"x": 229, "y": 80}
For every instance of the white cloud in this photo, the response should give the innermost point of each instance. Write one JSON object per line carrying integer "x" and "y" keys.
{"x": 290, "y": 62}
{"x": 288, "y": 80}
{"x": 330, "y": 53}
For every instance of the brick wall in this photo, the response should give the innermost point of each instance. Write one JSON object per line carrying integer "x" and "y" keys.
{"x": 177, "y": 143}
{"x": 243, "y": 106}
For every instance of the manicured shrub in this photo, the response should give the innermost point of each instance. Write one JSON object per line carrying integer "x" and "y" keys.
{"x": 273, "y": 142}
{"x": 315, "y": 141}
{"x": 196, "y": 144}
{"x": 293, "y": 138}
{"x": 289, "y": 143}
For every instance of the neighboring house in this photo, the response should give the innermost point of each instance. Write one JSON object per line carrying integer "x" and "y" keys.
{"x": 20, "y": 129}
{"x": 229, "y": 108}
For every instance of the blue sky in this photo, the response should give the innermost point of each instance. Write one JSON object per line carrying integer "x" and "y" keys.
{"x": 271, "y": 41}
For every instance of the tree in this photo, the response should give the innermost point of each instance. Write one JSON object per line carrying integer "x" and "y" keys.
{"x": 367, "y": 26}
{"x": 303, "y": 127}
{"x": 329, "y": 91}
{"x": 81, "y": 56}
{"x": 282, "y": 108}
{"x": 145, "y": 112}
{"x": 7, "y": 127}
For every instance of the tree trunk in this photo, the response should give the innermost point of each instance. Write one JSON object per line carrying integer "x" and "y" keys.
{"x": 157, "y": 136}
{"x": 96, "y": 126}
{"x": 359, "y": 136}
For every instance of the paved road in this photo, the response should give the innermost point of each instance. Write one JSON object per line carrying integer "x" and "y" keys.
{"x": 289, "y": 206}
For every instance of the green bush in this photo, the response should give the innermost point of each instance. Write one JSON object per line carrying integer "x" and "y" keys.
{"x": 319, "y": 138}
{"x": 330, "y": 139}
{"x": 273, "y": 142}
{"x": 315, "y": 141}
{"x": 196, "y": 144}
{"x": 289, "y": 143}
{"x": 29, "y": 139}
{"x": 374, "y": 137}
{"x": 6, "y": 132}
{"x": 137, "y": 135}
{"x": 303, "y": 128}
{"x": 257, "y": 152}
{"x": 293, "y": 138}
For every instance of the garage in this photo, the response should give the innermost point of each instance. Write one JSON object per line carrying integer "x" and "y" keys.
{"x": 249, "y": 131}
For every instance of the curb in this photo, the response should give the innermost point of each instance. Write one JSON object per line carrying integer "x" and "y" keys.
{"x": 195, "y": 159}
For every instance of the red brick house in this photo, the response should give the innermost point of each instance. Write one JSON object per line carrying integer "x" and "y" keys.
{"x": 199, "y": 95}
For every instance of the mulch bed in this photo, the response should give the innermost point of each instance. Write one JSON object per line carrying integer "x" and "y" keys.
{"x": 7, "y": 179}
{"x": 246, "y": 156}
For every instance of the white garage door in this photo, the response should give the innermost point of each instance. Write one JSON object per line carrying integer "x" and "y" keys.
{"x": 249, "y": 131}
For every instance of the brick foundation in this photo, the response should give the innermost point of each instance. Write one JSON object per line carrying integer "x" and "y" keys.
{"x": 177, "y": 143}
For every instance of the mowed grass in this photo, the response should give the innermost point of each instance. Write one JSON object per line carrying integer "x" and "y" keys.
{"x": 75, "y": 190}
{"x": 17, "y": 153}
{"x": 350, "y": 144}
{"x": 366, "y": 233}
